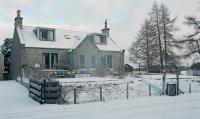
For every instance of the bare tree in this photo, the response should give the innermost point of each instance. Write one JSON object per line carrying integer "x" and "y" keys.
{"x": 168, "y": 39}
{"x": 155, "y": 17}
{"x": 192, "y": 40}
{"x": 155, "y": 40}
{"x": 144, "y": 50}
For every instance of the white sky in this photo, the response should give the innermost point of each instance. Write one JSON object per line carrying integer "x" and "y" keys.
{"x": 125, "y": 17}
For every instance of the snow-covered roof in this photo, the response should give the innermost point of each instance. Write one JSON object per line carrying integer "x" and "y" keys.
{"x": 28, "y": 38}
{"x": 64, "y": 39}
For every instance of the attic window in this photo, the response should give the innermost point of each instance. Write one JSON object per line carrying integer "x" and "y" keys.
{"x": 67, "y": 37}
{"x": 77, "y": 37}
{"x": 45, "y": 34}
{"x": 100, "y": 39}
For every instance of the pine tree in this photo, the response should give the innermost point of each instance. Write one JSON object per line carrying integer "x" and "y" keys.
{"x": 6, "y": 51}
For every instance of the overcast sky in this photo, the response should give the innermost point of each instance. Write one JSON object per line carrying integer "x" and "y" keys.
{"x": 125, "y": 17}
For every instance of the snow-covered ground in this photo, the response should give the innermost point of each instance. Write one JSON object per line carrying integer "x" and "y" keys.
{"x": 88, "y": 89}
{"x": 15, "y": 104}
{"x": 184, "y": 81}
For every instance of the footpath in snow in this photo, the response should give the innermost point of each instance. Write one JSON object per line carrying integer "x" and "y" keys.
{"x": 15, "y": 104}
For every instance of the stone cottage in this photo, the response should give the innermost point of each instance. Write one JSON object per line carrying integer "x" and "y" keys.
{"x": 1, "y": 65}
{"x": 53, "y": 48}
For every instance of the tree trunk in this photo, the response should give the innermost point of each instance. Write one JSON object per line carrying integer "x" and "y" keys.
{"x": 165, "y": 39}
{"x": 147, "y": 42}
{"x": 159, "y": 40}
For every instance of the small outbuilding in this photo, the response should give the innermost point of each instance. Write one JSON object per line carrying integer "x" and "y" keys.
{"x": 128, "y": 68}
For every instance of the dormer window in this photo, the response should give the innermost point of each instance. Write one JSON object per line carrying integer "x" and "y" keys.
{"x": 100, "y": 39}
{"x": 45, "y": 34}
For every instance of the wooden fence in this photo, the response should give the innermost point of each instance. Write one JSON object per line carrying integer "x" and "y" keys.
{"x": 44, "y": 91}
{"x": 98, "y": 93}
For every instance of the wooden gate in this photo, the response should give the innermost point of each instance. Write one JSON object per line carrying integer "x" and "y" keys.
{"x": 44, "y": 91}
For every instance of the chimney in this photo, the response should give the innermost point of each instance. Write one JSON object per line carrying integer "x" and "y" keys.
{"x": 105, "y": 30}
{"x": 18, "y": 19}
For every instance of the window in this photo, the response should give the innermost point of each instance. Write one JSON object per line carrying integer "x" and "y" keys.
{"x": 97, "y": 39}
{"x": 103, "y": 39}
{"x": 49, "y": 60}
{"x": 103, "y": 61}
{"x": 82, "y": 61}
{"x": 93, "y": 61}
{"x": 54, "y": 60}
{"x": 107, "y": 61}
{"x": 100, "y": 39}
{"x": 46, "y": 60}
{"x": 45, "y": 34}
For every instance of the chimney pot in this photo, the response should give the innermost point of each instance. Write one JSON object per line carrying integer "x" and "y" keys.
{"x": 18, "y": 19}
{"x": 18, "y": 13}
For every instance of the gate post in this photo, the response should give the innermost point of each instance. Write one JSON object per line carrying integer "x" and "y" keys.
{"x": 127, "y": 89}
{"x": 74, "y": 95}
{"x": 149, "y": 89}
{"x": 43, "y": 91}
{"x": 101, "y": 98}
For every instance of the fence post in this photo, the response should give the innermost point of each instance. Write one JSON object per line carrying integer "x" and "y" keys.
{"x": 43, "y": 91}
{"x": 149, "y": 89}
{"x": 74, "y": 95}
{"x": 127, "y": 93}
{"x": 190, "y": 88}
{"x": 177, "y": 78}
{"x": 101, "y": 98}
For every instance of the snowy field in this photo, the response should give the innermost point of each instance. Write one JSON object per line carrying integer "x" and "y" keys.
{"x": 15, "y": 104}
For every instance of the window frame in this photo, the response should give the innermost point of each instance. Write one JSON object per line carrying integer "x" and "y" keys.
{"x": 82, "y": 61}
{"x": 50, "y": 63}
{"x": 106, "y": 61}
{"x": 93, "y": 61}
{"x": 43, "y": 34}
